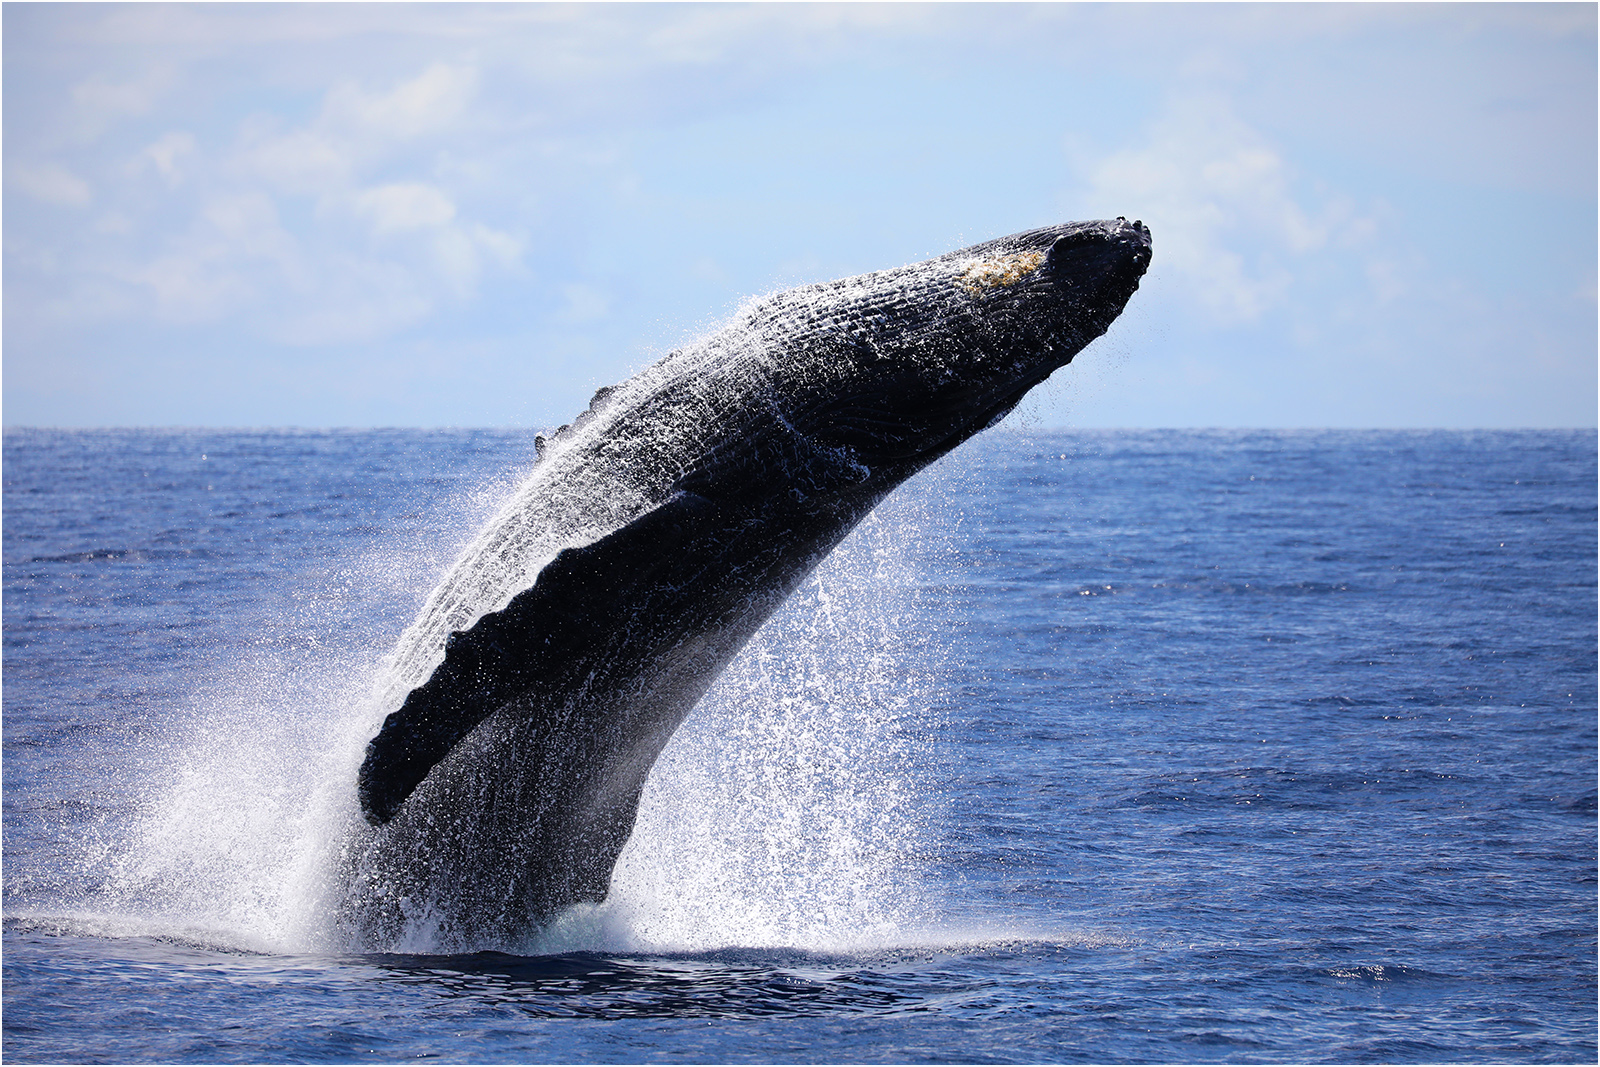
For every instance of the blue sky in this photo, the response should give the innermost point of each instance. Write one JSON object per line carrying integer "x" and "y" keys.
{"x": 372, "y": 215}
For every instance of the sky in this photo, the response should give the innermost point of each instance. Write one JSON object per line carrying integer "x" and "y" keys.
{"x": 1363, "y": 215}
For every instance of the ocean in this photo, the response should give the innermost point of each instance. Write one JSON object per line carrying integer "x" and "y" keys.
{"x": 1138, "y": 746}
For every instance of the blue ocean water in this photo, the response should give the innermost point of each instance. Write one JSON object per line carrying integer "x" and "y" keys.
{"x": 1121, "y": 746}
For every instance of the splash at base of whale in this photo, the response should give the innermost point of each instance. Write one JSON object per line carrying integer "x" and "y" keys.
{"x": 655, "y": 536}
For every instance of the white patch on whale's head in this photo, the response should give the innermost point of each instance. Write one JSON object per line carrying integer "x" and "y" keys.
{"x": 999, "y": 271}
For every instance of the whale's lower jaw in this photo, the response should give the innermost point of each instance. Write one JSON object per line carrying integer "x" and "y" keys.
{"x": 504, "y": 787}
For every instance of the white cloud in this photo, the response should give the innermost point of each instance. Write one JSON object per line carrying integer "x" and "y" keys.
{"x": 50, "y": 182}
{"x": 114, "y": 100}
{"x": 235, "y": 251}
{"x": 428, "y": 103}
{"x": 361, "y": 298}
{"x": 1221, "y": 201}
{"x": 403, "y": 206}
{"x": 354, "y": 129}
{"x": 452, "y": 252}
{"x": 97, "y": 104}
{"x": 319, "y": 283}
{"x": 248, "y": 226}
{"x": 189, "y": 287}
{"x": 166, "y": 152}
{"x": 302, "y": 161}
{"x": 501, "y": 247}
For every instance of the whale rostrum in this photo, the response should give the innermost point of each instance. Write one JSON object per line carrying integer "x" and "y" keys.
{"x": 655, "y": 535}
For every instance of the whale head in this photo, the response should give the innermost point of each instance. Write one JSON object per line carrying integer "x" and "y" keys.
{"x": 897, "y": 367}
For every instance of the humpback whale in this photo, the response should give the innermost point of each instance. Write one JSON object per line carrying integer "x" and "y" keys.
{"x": 655, "y": 535}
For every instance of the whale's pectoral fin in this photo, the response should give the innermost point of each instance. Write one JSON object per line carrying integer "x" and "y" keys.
{"x": 547, "y": 639}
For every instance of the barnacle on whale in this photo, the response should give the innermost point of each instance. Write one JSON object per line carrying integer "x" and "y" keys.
{"x": 1000, "y": 271}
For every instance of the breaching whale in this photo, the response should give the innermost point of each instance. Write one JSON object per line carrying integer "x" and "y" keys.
{"x": 655, "y": 535}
